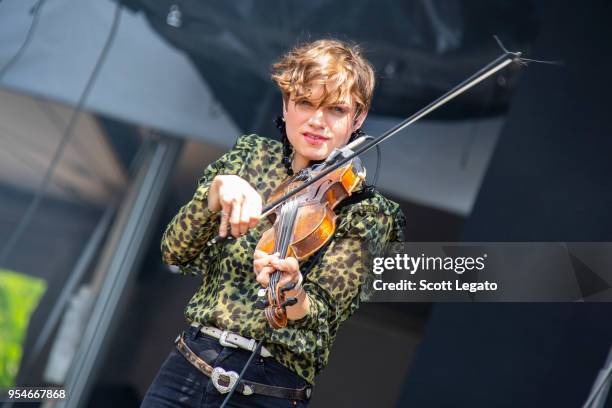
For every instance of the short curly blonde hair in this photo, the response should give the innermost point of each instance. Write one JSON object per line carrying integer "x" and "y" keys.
{"x": 336, "y": 65}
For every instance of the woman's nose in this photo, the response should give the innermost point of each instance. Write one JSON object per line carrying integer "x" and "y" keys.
{"x": 316, "y": 119}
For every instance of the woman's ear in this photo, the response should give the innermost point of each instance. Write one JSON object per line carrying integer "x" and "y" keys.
{"x": 284, "y": 104}
{"x": 359, "y": 121}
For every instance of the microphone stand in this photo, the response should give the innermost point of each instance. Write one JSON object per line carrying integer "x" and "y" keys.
{"x": 599, "y": 391}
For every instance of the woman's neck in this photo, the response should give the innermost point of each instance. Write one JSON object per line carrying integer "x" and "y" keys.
{"x": 299, "y": 162}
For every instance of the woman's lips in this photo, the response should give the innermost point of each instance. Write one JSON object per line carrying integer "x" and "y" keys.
{"x": 313, "y": 138}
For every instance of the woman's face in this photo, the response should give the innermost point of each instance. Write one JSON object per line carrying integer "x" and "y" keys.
{"x": 314, "y": 131}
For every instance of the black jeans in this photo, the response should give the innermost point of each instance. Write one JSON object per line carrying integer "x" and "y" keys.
{"x": 180, "y": 384}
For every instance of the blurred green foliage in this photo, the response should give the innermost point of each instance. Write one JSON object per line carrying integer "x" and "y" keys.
{"x": 19, "y": 295}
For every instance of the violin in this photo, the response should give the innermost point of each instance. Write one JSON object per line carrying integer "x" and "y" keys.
{"x": 305, "y": 222}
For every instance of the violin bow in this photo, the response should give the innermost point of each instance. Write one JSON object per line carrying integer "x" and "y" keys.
{"x": 491, "y": 68}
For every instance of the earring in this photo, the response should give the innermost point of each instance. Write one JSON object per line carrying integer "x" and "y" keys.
{"x": 287, "y": 148}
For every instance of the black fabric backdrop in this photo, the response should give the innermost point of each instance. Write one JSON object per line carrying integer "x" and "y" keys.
{"x": 549, "y": 180}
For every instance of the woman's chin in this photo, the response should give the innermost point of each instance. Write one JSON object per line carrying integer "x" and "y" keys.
{"x": 316, "y": 157}
{"x": 315, "y": 154}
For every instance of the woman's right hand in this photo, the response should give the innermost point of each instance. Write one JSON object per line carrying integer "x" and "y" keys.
{"x": 239, "y": 203}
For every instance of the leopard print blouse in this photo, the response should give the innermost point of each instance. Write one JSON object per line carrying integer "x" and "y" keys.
{"x": 334, "y": 278}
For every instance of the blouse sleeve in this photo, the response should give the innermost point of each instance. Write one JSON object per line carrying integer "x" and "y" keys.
{"x": 334, "y": 283}
{"x": 194, "y": 224}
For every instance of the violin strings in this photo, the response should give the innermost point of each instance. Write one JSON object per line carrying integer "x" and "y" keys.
{"x": 279, "y": 244}
{"x": 285, "y": 228}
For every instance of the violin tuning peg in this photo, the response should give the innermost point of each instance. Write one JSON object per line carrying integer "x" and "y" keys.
{"x": 289, "y": 302}
{"x": 288, "y": 286}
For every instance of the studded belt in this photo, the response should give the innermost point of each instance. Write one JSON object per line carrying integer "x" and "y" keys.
{"x": 229, "y": 339}
{"x": 224, "y": 380}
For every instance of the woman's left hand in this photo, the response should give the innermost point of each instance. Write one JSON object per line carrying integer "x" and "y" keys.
{"x": 265, "y": 264}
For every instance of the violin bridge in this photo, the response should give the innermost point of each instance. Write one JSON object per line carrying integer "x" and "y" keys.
{"x": 359, "y": 169}
{"x": 362, "y": 174}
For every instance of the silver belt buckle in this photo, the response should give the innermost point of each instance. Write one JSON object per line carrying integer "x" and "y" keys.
{"x": 223, "y": 340}
{"x": 223, "y": 380}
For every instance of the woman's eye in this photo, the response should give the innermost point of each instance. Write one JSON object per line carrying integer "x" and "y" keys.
{"x": 304, "y": 103}
{"x": 338, "y": 109}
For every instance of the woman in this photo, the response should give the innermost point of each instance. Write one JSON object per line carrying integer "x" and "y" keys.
{"x": 327, "y": 89}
